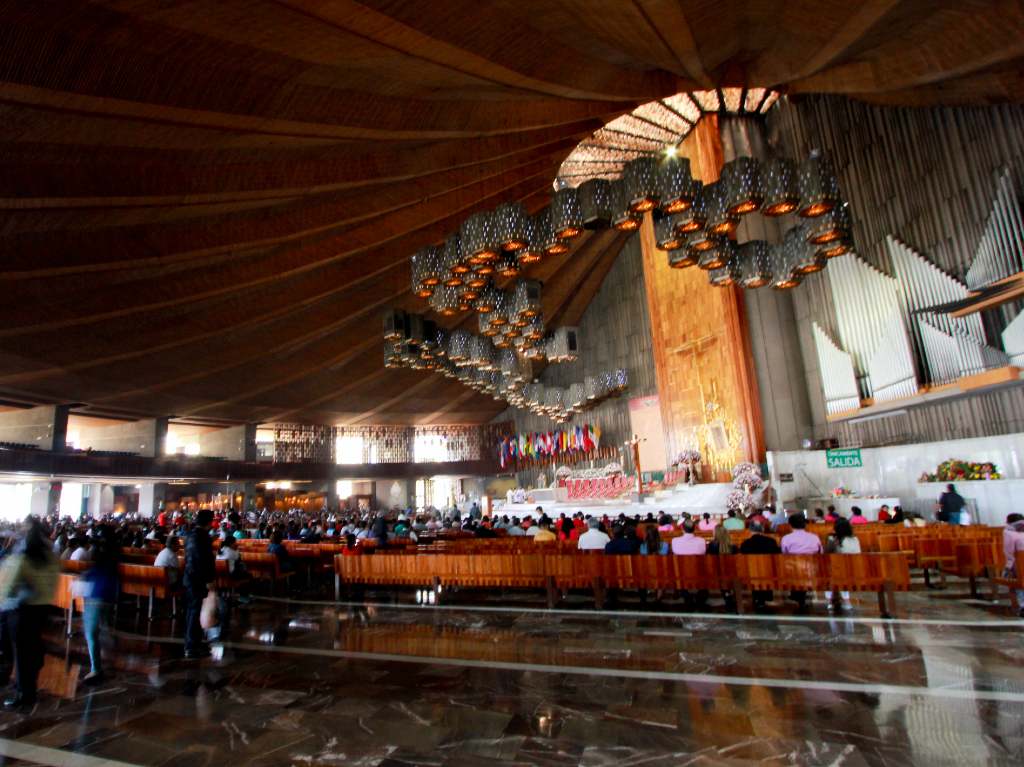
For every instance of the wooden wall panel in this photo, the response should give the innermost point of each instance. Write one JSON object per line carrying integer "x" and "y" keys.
{"x": 700, "y": 342}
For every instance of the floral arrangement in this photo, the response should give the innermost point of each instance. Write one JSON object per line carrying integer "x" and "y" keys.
{"x": 690, "y": 455}
{"x": 839, "y": 492}
{"x": 955, "y": 470}
{"x": 746, "y": 476}
{"x": 745, "y": 467}
{"x": 740, "y": 500}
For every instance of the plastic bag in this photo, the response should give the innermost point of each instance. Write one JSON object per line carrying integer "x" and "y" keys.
{"x": 208, "y": 612}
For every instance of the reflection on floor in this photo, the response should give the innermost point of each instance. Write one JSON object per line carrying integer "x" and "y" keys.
{"x": 303, "y": 682}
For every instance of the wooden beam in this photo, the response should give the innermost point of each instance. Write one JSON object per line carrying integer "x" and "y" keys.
{"x": 866, "y": 14}
{"x": 669, "y": 26}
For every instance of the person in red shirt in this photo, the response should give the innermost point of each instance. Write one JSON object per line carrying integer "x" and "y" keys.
{"x": 883, "y": 513}
{"x": 351, "y": 549}
{"x": 161, "y": 519}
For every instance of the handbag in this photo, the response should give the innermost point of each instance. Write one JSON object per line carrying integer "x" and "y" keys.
{"x": 208, "y": 618}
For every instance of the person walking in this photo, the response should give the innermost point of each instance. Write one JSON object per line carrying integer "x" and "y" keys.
{"x": 99, "y": 587}
{"x": 200, "y": 574}
{"x": 950, "y": 506}
{"x": 28, "y": 580}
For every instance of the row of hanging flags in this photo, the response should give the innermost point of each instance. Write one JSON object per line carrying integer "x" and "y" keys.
{"x": 570, "y": 442}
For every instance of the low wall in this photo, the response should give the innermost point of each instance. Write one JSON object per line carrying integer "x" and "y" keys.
{"x": 894, "y": 472}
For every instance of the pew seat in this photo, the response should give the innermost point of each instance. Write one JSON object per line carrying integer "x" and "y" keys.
{"x": 880, "y": 573}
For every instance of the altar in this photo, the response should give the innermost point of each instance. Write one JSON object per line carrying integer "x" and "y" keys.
{"x": 696, "y": 500}
{"x": 844, "y": 505}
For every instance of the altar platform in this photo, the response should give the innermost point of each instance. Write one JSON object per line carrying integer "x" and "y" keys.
{"x": 699, "y": 499}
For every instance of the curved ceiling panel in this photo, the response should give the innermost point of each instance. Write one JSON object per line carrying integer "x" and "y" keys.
{"x": 204, "y": 207}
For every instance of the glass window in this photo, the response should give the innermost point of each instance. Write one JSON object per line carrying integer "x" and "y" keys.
{"x": 348, "y": 449}
{"x": 430, "y": 448}
{"x": 344, "y": 488}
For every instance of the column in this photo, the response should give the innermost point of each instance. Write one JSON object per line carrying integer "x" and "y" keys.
{"x": 151, "y": 497}
{"x": 770, "y": 314}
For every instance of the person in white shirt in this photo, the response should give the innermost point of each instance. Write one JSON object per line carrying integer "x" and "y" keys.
{"x": 230, "y": 554}
{"x": 168, "y": 559}
{"x": 82, "y": 552}
{"x": 593, "y": 539}
{"x": 842, "y": 541}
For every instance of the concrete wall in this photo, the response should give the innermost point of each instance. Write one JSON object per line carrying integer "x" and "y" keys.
{"x": 894, "y": 471}
{"x": 145, "y": 437}
{"x": 44, "y": 427}
{"x": 231, "y": 443}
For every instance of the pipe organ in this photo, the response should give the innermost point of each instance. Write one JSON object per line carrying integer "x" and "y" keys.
{"x": 865, "y": 301}
{"x": 837, "y": 375}
{"x": 1013, "y": 341}
{"x": 950, "y": 346}
{"x": 891, "y": 370}
{"x": 999, "y": 254}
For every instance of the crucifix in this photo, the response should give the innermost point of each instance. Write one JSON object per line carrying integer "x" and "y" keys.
{"x": 635, "y": 444}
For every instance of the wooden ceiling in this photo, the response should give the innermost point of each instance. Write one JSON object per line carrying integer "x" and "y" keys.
{"x": 205, "y": 206}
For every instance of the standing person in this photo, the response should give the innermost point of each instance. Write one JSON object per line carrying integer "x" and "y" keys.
{"x": 1013, "y": 542}
{"x": 951, "y": 504}
{"x": 99, "y": 588}
{"x": 842, "y": 541}
{"x": 800, "y": 542}
{"x": 200, "y": 573}
{"x": 28, "y": 580}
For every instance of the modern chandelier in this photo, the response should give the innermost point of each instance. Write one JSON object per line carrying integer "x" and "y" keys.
{"x": 626, "y": 169}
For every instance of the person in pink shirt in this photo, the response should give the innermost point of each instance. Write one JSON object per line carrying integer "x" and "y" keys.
{"x": 688, "y": 543}
{"x": 706, "y": 525}
{"x": 800, "y": 542}
{"x": 857, "y": 516}
{"x": 1013, "y": 542}
{"x": 665, "y": 523}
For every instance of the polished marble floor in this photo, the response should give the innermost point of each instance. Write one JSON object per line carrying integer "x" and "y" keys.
{"x": 503, "y": 681}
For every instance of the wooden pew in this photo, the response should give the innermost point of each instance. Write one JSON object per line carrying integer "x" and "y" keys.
{"x": 64, "y": 598}
{"x": 975, "y": 557}
{"x": 148, "y": 581}
{"x": 264, "y": 567}
{"x": 881, "y": 573}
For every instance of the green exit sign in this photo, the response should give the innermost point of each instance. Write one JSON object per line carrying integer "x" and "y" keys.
{"x": 846, "y": 458}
